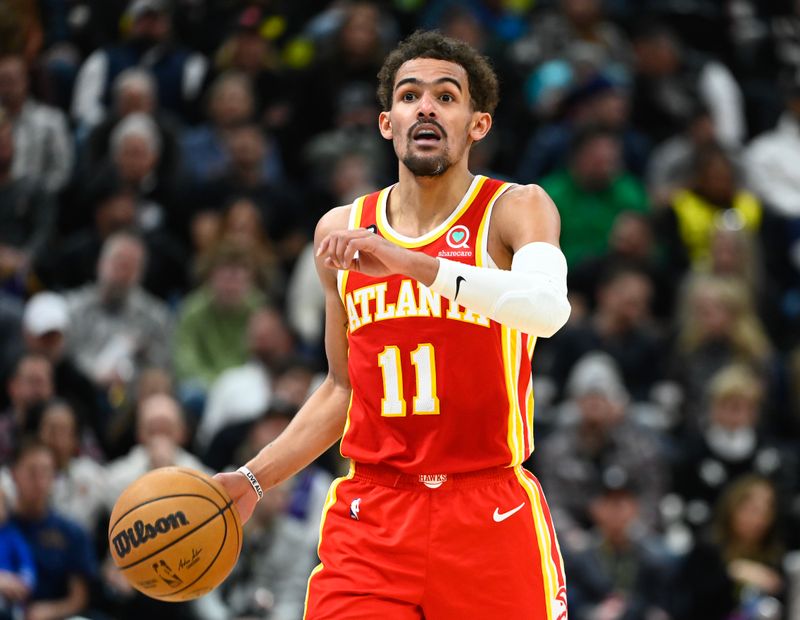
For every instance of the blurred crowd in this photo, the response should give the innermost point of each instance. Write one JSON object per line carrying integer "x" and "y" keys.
{"x": 162, "y": 167}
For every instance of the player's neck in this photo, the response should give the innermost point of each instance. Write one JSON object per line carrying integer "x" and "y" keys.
{"x": 417, "y": 205}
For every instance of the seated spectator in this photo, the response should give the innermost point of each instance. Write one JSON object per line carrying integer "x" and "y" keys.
{"x": 161, "y": 435}
{"x": 27, "y": 213}
{"x": 244, "y": 392}
{"x": 178, "y": 71}
{"x": 116, "y": 328}
{"x": 212, "y": 322}
{"x": 620, "y": 326}
{"x": 45, "y": 325}
{"x": 731, "y": 443}
{"x": 622, "y": 572}
{"x": 43, "y": 149}
{"x": 29, "y": 387}
{"x": 78, "y": 488}
{"x": 591, "y": 191}
{"x": 270, "y": 577}
{"x": 63, "y": 555}
{"x": 599, "y": 435}
{"x": 746, "y": 531}
{"x": 17, "y": 569}
{"x": 717, "y": 326}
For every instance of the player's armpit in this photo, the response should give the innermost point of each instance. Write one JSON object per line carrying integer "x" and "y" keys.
{"x": 532, "y": 297}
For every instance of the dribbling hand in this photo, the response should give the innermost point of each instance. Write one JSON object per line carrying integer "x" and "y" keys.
{"x": 240, "y": 492}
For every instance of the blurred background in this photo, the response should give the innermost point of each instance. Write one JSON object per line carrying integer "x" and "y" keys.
{"x": 162, "y": 167}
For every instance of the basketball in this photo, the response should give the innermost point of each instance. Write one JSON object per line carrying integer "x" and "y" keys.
{"x": 175, "y": 534}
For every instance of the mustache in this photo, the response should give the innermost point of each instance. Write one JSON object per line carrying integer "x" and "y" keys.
{"x": 429, "y": 121}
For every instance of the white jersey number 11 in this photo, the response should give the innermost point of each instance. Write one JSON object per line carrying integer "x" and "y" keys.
{"x": 393, "y": 404}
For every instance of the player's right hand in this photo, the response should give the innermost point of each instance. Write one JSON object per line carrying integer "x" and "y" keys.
{"x": 240, "y": 491}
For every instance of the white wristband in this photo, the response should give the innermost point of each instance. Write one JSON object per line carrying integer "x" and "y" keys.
{"x": 251, "y": 478}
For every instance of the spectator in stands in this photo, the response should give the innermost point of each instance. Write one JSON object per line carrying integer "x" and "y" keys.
{"x": 620, "y": 326}
{"x": 599, "y": 435}
{"x": 45, "y": 324}
{"x": 17, "y": 569}
{"x": 717, "y": 326}
{"x": 730, "y": 444}
{"x": 669, "y": 79}
{"x": 244, "y": 392}
{"x": 212, "y": 322}
{"x": 623, "y": 572}
{"x": 27, "y": 213}
{"x": 134, "y": 91}
{"x": 116, "y": 328}
{"x": 29, "y": 387}
{"x": 746, "y": 529}
{"x": 591, "y": 191}
{"x": 43, "y": 149}
{"x": 178, "y": 71}
{"x": 78, "y": 489}
{"x": 161, "y": 434}
{"x": 64, "y": 558}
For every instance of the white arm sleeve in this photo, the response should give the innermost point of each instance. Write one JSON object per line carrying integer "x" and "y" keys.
{"x": 532, "y": 297}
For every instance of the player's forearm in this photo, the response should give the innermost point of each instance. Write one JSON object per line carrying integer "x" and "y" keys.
{"x": 317, "y": 426}
{"x": 532, "y": 297}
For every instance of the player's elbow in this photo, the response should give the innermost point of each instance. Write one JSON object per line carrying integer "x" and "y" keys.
{"x": 538, "y": 311}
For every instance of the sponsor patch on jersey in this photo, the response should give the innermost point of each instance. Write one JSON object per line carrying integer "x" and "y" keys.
{"x": 458, "y": 237}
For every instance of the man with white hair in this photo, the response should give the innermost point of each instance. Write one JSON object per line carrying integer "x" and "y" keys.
{"x": 116, "y": 328}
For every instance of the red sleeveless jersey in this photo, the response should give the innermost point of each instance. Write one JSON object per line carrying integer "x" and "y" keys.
{"x": 436, "y": 388}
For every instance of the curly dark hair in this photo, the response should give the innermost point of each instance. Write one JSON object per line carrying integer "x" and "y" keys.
{"x": 483, "y": 88}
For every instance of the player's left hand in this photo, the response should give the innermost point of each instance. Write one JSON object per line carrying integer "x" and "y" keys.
{"x": 364, "y": 251}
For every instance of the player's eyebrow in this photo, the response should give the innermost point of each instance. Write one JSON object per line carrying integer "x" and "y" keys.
{"x": 418, "y": 82}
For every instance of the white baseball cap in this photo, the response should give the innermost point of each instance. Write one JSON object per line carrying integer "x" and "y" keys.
{"x": 45, "y": 312}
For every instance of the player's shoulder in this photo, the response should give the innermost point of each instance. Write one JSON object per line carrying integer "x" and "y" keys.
{"x": 532, "y": 198}
{"x": 335, "y": 219}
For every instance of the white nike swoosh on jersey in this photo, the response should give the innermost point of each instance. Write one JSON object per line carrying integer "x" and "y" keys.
{"x": 502, "y": 516}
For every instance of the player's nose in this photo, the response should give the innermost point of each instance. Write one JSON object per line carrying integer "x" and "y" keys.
{"x": 427, "y": 105}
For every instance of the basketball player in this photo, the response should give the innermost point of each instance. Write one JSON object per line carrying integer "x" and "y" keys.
{"x": 436, "y": 290}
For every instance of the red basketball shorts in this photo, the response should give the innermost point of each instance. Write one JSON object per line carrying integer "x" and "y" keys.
{"x": 472, "y": 546}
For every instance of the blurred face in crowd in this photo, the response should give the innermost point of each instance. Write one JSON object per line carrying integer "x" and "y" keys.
{"x": 582, "y": 13}
{"x": 359, "y": 37}
{"x": 58, "y": 430}
{"x": 249, "y": 51}
{"x": 631, "y": 236}
{"x": 247, "y": 148}
{"x": 597, "y": 162}
{"x": 268, "y": 338}
{"x": 715, "y": 318}
{"x": 656, "y": 56}
{"x": 464, "y": 26}
{"x": 151, "y": 27}
{"x": 13, "y": 82}
{"x": 600, "y": 412}
{"x": 754, "y": 515}
{"x": 160, "y": 416}
{"x": 116, "y": 213}
{"x": 31, "y": 384}
{"x": 293, "y": 385}
{"x": 613, "y": 513}
{"x": 50, "y": 344}
{"x": 230, "y": 285}
{"x": 242, "y": 223}
{"x": 34, "y": 474}
{"x": 120, "y": 269}
{"x": 734, "y": 411}
{"x": 701, "y": 130}
{"x": 626, "y": 298}
{"x": 135, "y": 97}
{"x": 231, "y": 101}
{"x": 715, "y": 180}
{"x": 729, "y": 252}
{"x": 135, "y": 158}
{"x": 432, "y": 122}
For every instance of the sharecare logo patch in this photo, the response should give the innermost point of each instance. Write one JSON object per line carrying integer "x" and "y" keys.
{"x": 457, "y": 237}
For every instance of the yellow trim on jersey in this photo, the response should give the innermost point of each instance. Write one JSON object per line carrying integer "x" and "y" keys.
{"x": 330, "y": 500}
{"x": 352, "y": 223}
{"x": 418, "y": 242}
{"x": 529, "y": 402}
{"x": 515, "y": 438}
{"x": 549, "y": 569}
{"x": 482, "y": 243}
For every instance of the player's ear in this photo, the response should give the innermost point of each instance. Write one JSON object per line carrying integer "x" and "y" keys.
{"x": 385, "y": 125}
{"x": 481, "y": 124}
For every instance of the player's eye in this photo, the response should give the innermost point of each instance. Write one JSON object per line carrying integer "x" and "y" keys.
{"x": 408, "y": 96}
{"x": 447, "y": 98}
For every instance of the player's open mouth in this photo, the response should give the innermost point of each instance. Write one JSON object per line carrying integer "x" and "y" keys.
{"x": 426, "y": 135}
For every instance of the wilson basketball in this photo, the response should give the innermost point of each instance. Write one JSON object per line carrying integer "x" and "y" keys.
{"x": 175, "y": 534}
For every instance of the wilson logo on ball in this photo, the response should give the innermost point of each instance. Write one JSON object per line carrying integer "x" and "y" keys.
{"x": 141, "y": 532}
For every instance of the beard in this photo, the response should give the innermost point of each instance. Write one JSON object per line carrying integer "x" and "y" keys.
{"x": 421, "y": 166}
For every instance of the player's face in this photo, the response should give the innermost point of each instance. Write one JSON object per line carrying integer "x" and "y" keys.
{"x": 432, "y": 121}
